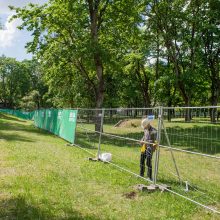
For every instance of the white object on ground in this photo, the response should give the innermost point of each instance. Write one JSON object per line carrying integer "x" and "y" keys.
{"x": 187, "y": 186}
{"x": 105, "y": 157}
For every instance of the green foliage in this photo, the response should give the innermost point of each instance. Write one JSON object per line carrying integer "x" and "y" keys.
{"x": 14, "y": 81}
{"x": 180, "y": 26}
{"x": 132, "y": 53}
{"x": 31, "y": 101}
{"x": 84, "y": 38}
{"x": 20, "y": 83}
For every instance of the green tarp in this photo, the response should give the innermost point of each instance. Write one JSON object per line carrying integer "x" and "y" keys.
{"x": 18, "y": 113}
{"x": 61, "y": 122}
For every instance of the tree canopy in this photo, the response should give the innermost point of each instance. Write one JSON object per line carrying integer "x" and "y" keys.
{"x": 122, "y": 53}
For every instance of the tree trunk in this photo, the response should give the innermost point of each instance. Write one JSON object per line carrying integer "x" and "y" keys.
{"x": 144, "y": 84}
{"x": 215, "y": 88}
{"x": 214, "y": 102}
{"x": 169, "y": 116}
{"x": 158, "y": 56}
{"x": 180, "y": 83}
{"x": 94, "y": 18}
{"x": 212, "y": 59}
{"x": 213, "y": 114}
{"x": 98, "y": 120}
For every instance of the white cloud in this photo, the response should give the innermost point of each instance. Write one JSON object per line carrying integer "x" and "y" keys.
{"x": 9, "y": 33}
{"x": 12, "y": 40}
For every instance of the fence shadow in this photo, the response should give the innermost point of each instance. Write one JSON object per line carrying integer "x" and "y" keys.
{"x": 11, "y": 118}
{"x": 22, "y": 127}
{"x": 14, "y": 137}
{"x": 17, "y": 208}
{"x": 87, "y": 140}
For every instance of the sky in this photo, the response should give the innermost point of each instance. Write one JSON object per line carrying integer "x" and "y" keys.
{"x": 12, "y": 40}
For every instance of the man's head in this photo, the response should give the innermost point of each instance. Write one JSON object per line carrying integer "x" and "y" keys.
{"x": 145, "y": 123}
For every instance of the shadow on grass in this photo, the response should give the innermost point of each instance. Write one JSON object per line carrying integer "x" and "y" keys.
{"x": 87, "y": 140}
{"x": 19, "y": 128}
{"x": 14, "y": 137}
{"x": 19, "y": 209}
{"x": 11, "y": 118}
{"x": 30, "y": 128}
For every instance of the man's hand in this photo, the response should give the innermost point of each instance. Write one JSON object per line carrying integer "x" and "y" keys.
{"x": 155, "y": 145}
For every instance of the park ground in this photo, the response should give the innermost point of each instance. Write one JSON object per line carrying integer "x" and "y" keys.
{"x": 43, "y": 178}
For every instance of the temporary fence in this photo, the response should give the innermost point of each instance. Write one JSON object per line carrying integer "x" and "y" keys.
{"x": 18, "y": 113}
{"x": 61, "y": 122}
{"x": 188, "y": 158}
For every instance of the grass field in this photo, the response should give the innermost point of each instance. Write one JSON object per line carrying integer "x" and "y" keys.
{"x": 42, "y": 178}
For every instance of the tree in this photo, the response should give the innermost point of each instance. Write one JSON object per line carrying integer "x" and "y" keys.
{"x": 14, "y": 81}
{"x": 84, "y": 34}
{"x": 178, "y": 25}
{"x": 95, "y": 53}
{"x": 210, "y": 50}
{"x": 19, "y": 81}
{"x": 141, "y": 75}
{"x": 37, "y": 82}
{"x": 31, "y": 101}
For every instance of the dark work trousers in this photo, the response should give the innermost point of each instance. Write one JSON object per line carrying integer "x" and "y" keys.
{"x": 147, "y": 155}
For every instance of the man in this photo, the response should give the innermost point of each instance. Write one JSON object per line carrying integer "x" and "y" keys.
{"x": 148, "y": 147}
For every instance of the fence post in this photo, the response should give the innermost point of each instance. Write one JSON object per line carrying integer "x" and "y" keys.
{"x": 101, "y": 130}
{"x": 160, "y": 115}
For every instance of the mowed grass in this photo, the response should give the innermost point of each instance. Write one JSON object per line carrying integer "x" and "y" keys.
{"x": 42, "y": 178}
{"x": 202, "y": 173}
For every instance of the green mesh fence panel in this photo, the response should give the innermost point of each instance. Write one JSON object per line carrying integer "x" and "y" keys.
{"x": 20, "y": 114}
{"x": 61, "y": 122}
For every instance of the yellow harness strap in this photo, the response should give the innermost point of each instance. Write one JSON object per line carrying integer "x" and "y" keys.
{"x": 143, "y": 148}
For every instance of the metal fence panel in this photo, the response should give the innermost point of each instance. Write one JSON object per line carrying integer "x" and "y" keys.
{"x": 193, "y": 129}
{"x": 188, "y": 158}
{"x": 189, "y": 153}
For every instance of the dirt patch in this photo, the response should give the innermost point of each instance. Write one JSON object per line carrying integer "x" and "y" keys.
{"x": 130, "y": 195}
{"x": 126, "y": 123}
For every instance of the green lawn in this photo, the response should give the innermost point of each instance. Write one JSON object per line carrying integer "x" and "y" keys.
{"x": 42, "y": 178}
